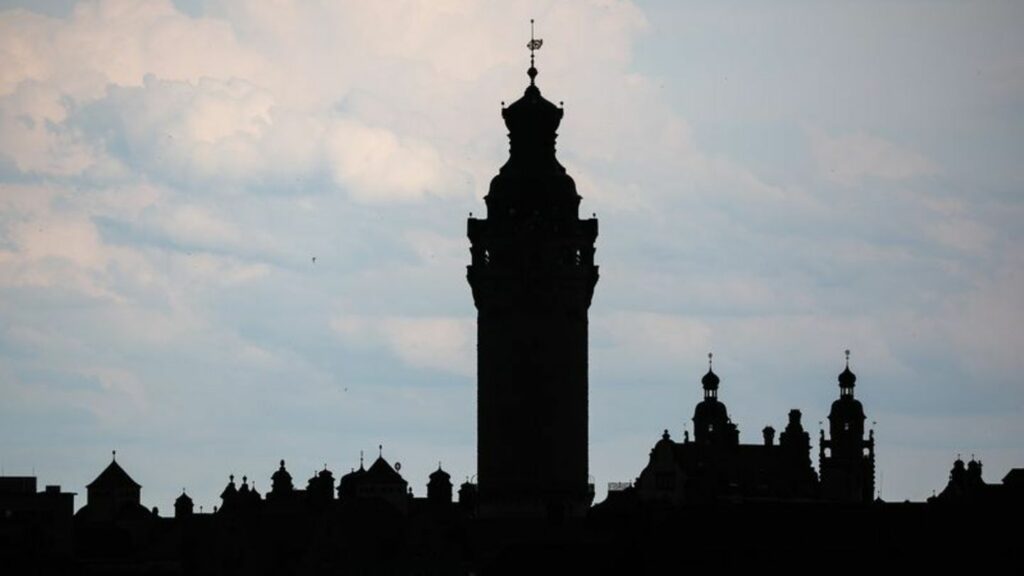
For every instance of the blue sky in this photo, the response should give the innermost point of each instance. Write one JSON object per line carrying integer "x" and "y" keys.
{"x": 775, "y": 182}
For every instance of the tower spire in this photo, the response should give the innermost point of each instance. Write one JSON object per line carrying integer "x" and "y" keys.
{"x": 532, "y": 333}
{"x": 533, "y": 45}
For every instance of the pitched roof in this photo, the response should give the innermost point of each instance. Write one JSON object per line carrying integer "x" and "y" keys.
{"x": 113, "y": 477}
{"x": 382, "y": 473}
{"x": 1014, "y": 477}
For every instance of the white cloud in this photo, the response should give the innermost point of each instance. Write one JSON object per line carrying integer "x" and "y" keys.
{"x": 376, "y": 165}
{"x": 446, "y": 344}
{"x": 850, "y": 158}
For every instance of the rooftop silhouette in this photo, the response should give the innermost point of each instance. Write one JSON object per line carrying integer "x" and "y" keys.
{"x": 706, "y": 502}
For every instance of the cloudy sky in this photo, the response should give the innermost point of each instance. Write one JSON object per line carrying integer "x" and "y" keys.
{"x": 775, "y": 182}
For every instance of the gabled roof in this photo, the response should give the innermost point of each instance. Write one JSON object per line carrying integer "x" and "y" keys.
{"x": 382, "y": 473}
{"x": 113, "y": 477}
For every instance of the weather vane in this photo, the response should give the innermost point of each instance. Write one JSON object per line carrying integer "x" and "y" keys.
{"x": 534, "y": 45}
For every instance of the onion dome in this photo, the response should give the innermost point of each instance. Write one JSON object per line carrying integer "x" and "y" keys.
{"x": 440, "y": 475}
{"x": 847, "y": 379}
{"x": 348, "y": 485}
{"x": 711, "y": 410}
{"x": 665, "y": 443}
{"x": 281, "y": 481}
{"x": 532, "y": 118}
{"x": 710, "y": 380}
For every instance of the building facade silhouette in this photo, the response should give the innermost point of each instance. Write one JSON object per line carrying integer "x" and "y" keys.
{"x": 710, "y": 502}
{"x": 715, "y": 466}
{"x": 532, "y": 275}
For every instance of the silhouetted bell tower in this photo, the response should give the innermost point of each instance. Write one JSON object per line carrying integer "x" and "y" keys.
{"x": 846, "y": 459}
{"x": 532, "y": 276}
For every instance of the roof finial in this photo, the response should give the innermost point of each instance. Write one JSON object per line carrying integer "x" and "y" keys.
{"x": 360, "y": 458}
{"x": 113, "y": 455}
{"x": 535, "y": 44}
{"x": 847, "y": 357}
{"x": 711, "y": 355}
{"x": 380, "y": 450}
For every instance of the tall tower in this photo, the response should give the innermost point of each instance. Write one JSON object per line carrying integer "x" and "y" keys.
{"x": 533, "y": 276}
{"x": 846, "y": 459}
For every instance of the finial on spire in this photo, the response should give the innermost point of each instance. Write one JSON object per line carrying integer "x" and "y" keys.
{"x": 534, "y": 45}
{"x": 360, "y": 458}
{"x": 380, "y": 450}
{"x": 847, "y": 351}
{"x": 711, "y": 355}
{"x": 113, "y": 455}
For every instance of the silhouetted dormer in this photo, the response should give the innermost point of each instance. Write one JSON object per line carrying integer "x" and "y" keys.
{"x": 974, "y": 480}
{"x": 348, "y": 486}
{"x": 468, "y": 498}
{"x": 183, "y": 506}
{"x": 956, "y": 488}
{"x": 281, "y": 487}
{"x": 798, "y": 476}
{"x": 711, "y": 423}
{"x": 439, "y": 488}
{"x": 229, "y": 496}
{"x": 320, "y": 487}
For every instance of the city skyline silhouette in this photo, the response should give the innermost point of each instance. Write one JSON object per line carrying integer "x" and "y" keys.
{"x": 188, "y": 285}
